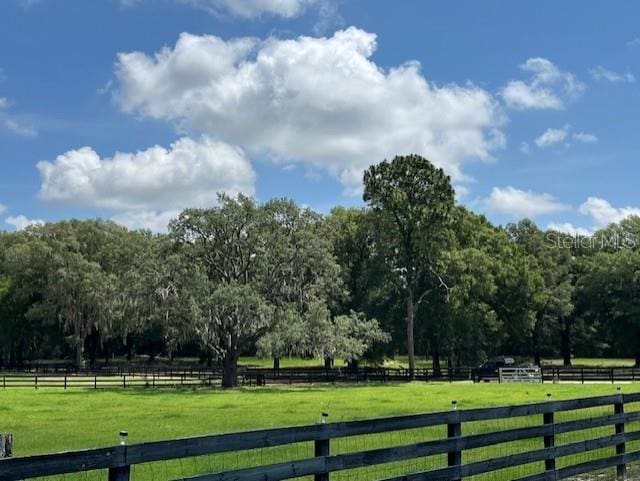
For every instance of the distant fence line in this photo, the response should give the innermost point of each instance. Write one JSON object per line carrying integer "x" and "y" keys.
{"x": 548, "y": 454}
{"x": 148, "y": 376}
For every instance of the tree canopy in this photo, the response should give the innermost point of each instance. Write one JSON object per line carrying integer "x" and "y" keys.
{"x": 410, "y": 273}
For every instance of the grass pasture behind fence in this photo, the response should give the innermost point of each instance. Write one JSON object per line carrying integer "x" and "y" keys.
{"x": 530, "y": 442}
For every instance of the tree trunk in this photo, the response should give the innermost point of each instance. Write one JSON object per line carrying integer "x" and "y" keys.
{"x": 129, "y": 342}
{"x": 94, "y": 344}
{"x": 230, "y": 369}
{"x": 565, "y": 343}
{"x": 536, "y": 346}
{"x": 79, "y": 355}
{"x": 352, "y": 365}
{"x": 437, "y": 369}
{"x": 328, "y": 362}
{"x": 410, "y": 338}
{"x": 276, "y": 363}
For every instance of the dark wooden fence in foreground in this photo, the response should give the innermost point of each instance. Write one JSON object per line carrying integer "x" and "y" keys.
{"x": 119, "y": 459}
{"x": 150, "y": 376}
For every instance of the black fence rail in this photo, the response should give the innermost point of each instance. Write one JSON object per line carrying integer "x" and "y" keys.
{"x": 590, "y": 374}
{"x": 154, "y": 376}
{"x": 599, "y": 429}
{"x": 262, "y": 376}
{"x": 158, "y": 377}
{"x": 86, "y": 381}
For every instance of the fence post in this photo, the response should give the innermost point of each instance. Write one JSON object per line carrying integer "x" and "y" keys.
{"x": 549, "y": 440}
{"x": 322, "y": 447}
{"x": 582, "y": 374}
{"x": 36, "y": 382}
{"x": 621, "y": 469}
{"x": 121, "y": 473}
{"x": 65, "y": 382}
{"x": 6, "y": 445}
{"x": 454, "y": 430}
{"x": 611, "y": 375}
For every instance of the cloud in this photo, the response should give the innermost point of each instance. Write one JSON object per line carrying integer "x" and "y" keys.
{"x": 569, "y": 228}
{"x": 461, "y": 191}
{"x": 551, "y": 137}
{"x": 27, "y": 4}
{"x": 524, "y": 148}
{"x": 24, "y": 130}
{"x": 249, "y": 9}
{"x": 188, "y": 174}
{"x": 601, "y": 73}
{"x": 603, "y": 213}
{"x": 585, "y": 138}
{"x": 548, "y": 88}
{"x": 634, "y": 42}
{"x": 3, "y": 209}
{"x": 21, "y": 222}
{"x": 9, "y": 123}
{"x": 320, "y": 101}
{"x": 156, "y": 221}
{"x": 521, "y": 203}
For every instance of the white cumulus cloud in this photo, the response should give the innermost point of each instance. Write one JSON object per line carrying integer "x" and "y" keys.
{"x": 188, "y": 174}
{"x": 585, "y": 138}
{"x": 247, "y": 9}
{"x": 3, "y": 209}
{"x": 548, "y": 88}
{"x": 551, "y": 137}
{"x": 156, "y": 221}
{"x": 569, "y": 228}
{"x": 522, "y": 203}
{"x": 322, "y": 101}
{"x": 251, "y": 9}
{"x": 603, "y": 213}
{"x": 20, "y": 222}
{"x": 18, "y": 128}
{"x": 601, "y": 73}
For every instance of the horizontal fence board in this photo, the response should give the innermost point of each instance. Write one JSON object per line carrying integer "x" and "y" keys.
{"x": 61, "y": 463}
{"x": 586, "y": 467}
{"x": 373, "y": 457}
{"x": 306, "y": 467}
{"x": 479, "y": 467}
{"x": 600, "y": 421}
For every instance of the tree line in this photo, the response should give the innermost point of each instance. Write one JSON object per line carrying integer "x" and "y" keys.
{"x": 411, "y": 273}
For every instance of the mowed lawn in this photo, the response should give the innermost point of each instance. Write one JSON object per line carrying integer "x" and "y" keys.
{"x": 48, "y": 420}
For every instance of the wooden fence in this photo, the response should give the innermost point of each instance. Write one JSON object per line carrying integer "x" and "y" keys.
{"x": 138, "y": 376}
{"x": 85, "y": 381}
{"x": 165, "y": 377}
{"x": 543, "y": 452}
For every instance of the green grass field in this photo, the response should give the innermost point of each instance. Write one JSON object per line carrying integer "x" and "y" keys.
{"x": 49, "y": 420}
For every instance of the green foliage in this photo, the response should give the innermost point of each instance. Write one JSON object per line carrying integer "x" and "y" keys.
{"x": 412, "y": 273}
{"x": 412, "y": 200}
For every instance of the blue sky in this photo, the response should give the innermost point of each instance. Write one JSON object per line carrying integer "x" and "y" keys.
{"x": 135, "y": 109}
